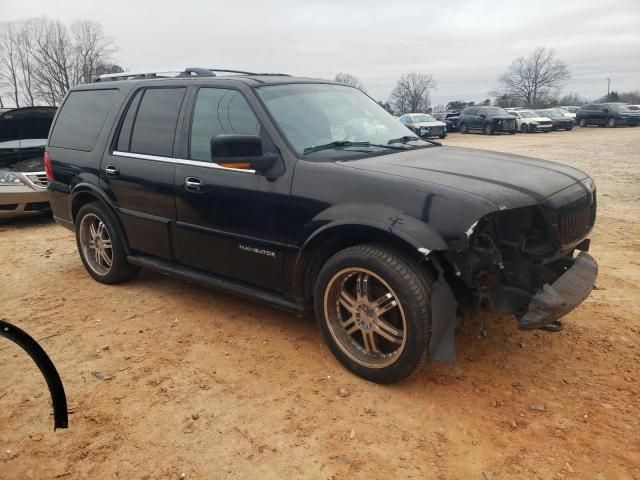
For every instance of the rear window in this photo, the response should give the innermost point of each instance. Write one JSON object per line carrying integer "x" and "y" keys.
{"x": 81, "y": 119}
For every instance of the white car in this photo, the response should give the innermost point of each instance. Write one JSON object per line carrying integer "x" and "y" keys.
{"x": 424, "y": 125}
{"x": 529, "y": 121}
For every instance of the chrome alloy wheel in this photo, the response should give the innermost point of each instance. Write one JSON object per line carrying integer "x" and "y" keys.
{"x": 365, "y": 317}
{"x": 96, "y": 244}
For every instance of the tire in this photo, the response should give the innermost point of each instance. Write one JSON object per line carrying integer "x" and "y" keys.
{"x": 95, "y": 225}
{"x": 488, "y": 129}
{"x": 349, "y": 320}
{"x": 611, "y": 122}
{"x": 582, "y": 122}
{"x": 464, "y": 128}
{"x": 442, "y": 136}
{"x": 524, "y": 128}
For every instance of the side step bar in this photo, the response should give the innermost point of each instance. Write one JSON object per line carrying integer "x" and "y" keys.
{"x": 192, "y": 275}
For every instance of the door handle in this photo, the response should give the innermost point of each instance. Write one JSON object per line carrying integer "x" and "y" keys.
{"x": 111, "y": 170}
{"x": 193, "y": 184}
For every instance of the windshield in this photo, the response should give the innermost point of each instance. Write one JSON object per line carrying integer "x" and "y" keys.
{"x": 423, "y": 118}
{"x": 495, "y": 111}
{"x": 528, "y": 114}
{"x": 311, "y": 115}
{"x": 551, "y": 113}
{"x": 619, "y": 107}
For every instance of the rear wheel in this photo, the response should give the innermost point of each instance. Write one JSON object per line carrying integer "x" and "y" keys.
{"x": 611, "y": 122}
{"x": 373, "y": 309}
{"x": 582, "y": 122}
{"x": 464, "y": 128}
{"x": 101, "y": 245}
{"x": 488, "y": 129}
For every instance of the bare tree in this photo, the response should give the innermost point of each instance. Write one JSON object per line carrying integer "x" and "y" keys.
{"x": 40, "y": 59}
{"x": 350, "y": 80}
{"x": 533, "y": 79}
{"x": 9, "y": 62}
{"x": 412, "y": 93}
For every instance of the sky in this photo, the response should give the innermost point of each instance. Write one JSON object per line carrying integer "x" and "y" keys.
{"x": 465, "y": 45}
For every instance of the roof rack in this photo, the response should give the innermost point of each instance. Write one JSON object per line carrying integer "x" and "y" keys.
{"x": 187, "y": 72}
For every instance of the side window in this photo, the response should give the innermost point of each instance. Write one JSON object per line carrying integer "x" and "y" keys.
{"x": 81, "y": 119}
{"x": 155, "y": 122}
{"x": 124, "y": 140}
{"x": 219, "y": 111}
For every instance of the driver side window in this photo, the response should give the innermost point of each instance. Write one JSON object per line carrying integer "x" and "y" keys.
{"x": 219, "y": 111}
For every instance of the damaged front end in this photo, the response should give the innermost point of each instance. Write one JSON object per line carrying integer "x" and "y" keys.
{"x": 523, "y": 261}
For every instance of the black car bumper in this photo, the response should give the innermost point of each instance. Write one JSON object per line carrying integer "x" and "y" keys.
{"x": 566, "y": 293}
{"x": 563, "y": 125}
{"x": 505, "y": 126}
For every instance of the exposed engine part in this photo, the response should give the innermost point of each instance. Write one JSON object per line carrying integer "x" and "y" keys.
{"x": 44, "y": 363}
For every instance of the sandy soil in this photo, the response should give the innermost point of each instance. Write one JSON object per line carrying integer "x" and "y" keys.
{"x": 199, "y": 383}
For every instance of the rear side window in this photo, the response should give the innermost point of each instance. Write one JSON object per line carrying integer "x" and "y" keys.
{"x": 219, "y": 111}
{"x": 154, "y": 125}
{"x": 81, "y": 119}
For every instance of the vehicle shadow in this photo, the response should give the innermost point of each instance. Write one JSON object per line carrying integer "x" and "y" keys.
{"x": 26, "y": 222}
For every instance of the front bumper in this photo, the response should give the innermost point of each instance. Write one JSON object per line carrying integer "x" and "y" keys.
{"x": 23, "y": 200}
{"x": 565, "y": 294}
{"x": 541, "y": 127}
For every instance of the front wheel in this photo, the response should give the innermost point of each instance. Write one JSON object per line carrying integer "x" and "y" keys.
{"x": 442, "y": 136}
{"x": 373, "y": 309}
{"x": 582, "y": 123}
{"x": 101, "y": 245}
{"x": 488, "y": 129}
{"x": 464, "y": 128}
{"x": 611, "y": 122}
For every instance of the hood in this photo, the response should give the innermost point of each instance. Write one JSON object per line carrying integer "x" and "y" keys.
{"x": 508, "y": 181}
{"x": 502, "y": 117}
{"x": 437, "y": 123}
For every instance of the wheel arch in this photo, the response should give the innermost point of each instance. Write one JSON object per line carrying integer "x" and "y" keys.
{"x": 83, "y": 194}
{"x": 332, "y": 238}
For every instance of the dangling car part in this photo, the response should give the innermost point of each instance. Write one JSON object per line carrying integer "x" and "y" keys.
{"x": 44, "y": 363}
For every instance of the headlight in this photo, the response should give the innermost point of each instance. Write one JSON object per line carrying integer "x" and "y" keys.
{"x": 9, "y": 179}
{"x": 590, "y": 184}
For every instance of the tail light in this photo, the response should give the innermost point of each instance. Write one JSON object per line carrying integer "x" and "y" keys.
{"x": 47, "y": 166}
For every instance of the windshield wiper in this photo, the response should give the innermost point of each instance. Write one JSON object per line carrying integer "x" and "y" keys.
{"x": 410, "y": 138}
{"x": 347, "y": 143}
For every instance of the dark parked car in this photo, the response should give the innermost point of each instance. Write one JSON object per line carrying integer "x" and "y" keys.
{"x": 450, "y": 118}
{"x": 607, "y": 114}
{"x": 559, "y": 118}
{"x": 488, "y": 120}
{"x": 23, "y": 183}
{"x": 228, "y": 181}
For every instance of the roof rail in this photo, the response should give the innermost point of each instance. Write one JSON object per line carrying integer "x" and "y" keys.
{"x": 186, "y": 72}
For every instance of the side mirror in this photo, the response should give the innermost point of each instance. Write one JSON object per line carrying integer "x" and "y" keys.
{"x": 241, "y": 151}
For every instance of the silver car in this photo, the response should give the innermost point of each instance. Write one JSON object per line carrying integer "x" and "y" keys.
{"x": 23, "y": 182}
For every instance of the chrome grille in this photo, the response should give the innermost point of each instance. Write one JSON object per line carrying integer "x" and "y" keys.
{"x": 576, "y": 219}
{"x": 38, "y": 179}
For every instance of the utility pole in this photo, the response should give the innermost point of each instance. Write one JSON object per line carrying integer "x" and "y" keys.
{"x": 608, "y": 85}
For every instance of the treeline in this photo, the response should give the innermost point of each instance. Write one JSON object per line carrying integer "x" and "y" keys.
{"x": 41, "y": 58}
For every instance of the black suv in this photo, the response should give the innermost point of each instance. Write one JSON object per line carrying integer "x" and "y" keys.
{"x": 307, "y": 194}
{"x": 607, "y": 114}
{"x": 450, "y": 118}
{"x": 488, "y": 120}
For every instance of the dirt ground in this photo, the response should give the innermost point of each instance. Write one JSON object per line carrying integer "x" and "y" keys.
{"x": 169, "y": 380}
